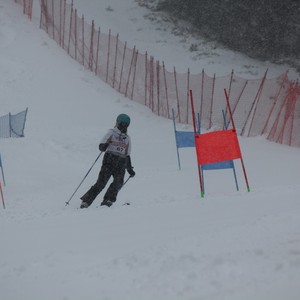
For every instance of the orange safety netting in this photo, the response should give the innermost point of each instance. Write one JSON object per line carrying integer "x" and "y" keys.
{"x": 27, "y": 6}
{"x": 259, "y": 106}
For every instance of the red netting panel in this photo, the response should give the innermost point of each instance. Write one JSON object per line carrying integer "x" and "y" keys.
{"x": 153, "y": 100}
{"x": 295, "y": 135}
{"x": 259, "y": 106}
{"x": 48, "y": 17}
{"x": 75, "y": 37}
{"x": 204, "y": 98}
{"x": 122, "y": 65}
{"x": 278, "y": 120}
{"x": 105, "y": 55}
{"x": 242, "y": 102}
{"x": 170, "y": 93}
{"x": 27, "y": 6}
{"x": 279, "y": 93}
{"x": 211, "y": 103}
{"x": 164, "y": 102}
{"x": 159, "y": 87}
{"x": 157, "y": 99}
{"x": 126, "y": 70}
{"x": 45, "y": 16}
{"x": 264, "y": 101}
{"x": 139, "y": 88}
{"x": 181, "y": 95}
{"x": 86, "y": 41}
{"x": 133, "y": 78}
{"x": 118, "y": 63}
{"x": 285, "y": 128}
{"x": 219, "y": 104}
{"x": 195, "y": 84}
{"x": 54, "y": 15}
{"x": 201, "y": 86}
{"x": 236, "y": 92}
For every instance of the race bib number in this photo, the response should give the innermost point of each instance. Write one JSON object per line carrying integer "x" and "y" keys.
{"x": 119, "y": 144}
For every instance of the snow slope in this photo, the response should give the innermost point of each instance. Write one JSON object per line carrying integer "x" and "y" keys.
{"x": 145, "y": 30}
{"x": 169, "y": 244}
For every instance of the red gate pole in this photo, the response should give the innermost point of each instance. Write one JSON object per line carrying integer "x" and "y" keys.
{"x": 242, "y": 161}
{"x": 195, "y": 130}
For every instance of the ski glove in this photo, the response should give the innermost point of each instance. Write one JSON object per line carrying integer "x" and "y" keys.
{"x": 131, "y": 172}
{"x": 129, "y": 167}
{"x": 103, "y": 147}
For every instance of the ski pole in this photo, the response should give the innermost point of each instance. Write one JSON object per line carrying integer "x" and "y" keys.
{"x": 67, "y": 203}
{"x": 2, "y": 196}
{"x": 1, "y": 166}
{"x": 125, "y": 182}
{"x": 126, "y": 203}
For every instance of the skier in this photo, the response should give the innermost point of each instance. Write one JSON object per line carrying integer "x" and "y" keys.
{"x": 117, "y": 147}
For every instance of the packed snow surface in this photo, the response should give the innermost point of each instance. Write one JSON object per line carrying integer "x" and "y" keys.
{"x": 169, "y": 244}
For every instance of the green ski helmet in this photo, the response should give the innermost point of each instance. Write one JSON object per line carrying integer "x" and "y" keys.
{"x": 123, "y": 118}
{"x": 123, "y": 122}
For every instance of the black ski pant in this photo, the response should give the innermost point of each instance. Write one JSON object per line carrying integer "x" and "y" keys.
{"x": 112, "y": 165}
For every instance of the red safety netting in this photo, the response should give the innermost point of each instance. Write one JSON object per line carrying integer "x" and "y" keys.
{"x": 260, "y": 106}
{"x": 27, "y": 6}
{"x": 285, "y": 125}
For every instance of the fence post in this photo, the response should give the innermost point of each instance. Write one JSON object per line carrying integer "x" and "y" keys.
{"x": 53, "y": 26}
{"x": 237, "y": 102}
{"x": 82, "y": 33}
{"x": 91, "y": 52}
{"x": 60, "y": 24}
{"x": 166, "y": 89}
{"x": 121, "y": 73}
{"x": 46, "y": 15}
{"x": 274, "y": 103}
{"x": 146, "y": 76}
{"x": 70, "y": 27}
{"x": 108, "y": 52}
{"x": 212, "y": 101}
{"x": 289, "y": 112}
{"x": 177, "y": 97}
{"x": 157, "y": 87}
{"x": 97, "y": 56}
{"x": 201, "y": 99}
{"x": 253, "y": 103}
{"x": 115, "y": 63}
{"x": 64, "y": 24}
{"x": 134, "y": 72}
{"x": 76, "y": 36}
{"x": 132, "y": 59}
{"x": 151, "y": 92}
{"x": 229, "y": 90}
{"x": 294, "y": 99}
{"x": 258, "y": 98}
{"x": 187, "y": 94}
